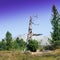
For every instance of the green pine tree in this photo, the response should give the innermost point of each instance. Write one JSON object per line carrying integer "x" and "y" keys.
{"x": 56, "y": 27}
{"x": 8, "y": 40}
{"x": 3, "y": 45}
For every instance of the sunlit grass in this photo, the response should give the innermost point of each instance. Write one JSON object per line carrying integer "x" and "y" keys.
{"x": 17, "y": 55}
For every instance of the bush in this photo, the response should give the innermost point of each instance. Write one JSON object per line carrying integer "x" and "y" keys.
{"x": 32, "y": 45}
{"x": 48, "y": 47}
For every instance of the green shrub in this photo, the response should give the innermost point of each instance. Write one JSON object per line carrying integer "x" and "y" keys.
{"x": 32, "y": 45}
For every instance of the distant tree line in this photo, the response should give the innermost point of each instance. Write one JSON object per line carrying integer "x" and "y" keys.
{"x": 18, "y": 44}
{"x": 9, "y": 44}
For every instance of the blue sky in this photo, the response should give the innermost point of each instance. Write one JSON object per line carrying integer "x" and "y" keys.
{"x": 15, "y": 16}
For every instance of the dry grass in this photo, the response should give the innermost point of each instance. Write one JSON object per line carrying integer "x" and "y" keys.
{"x": 57, "y": 51}
{"x": 17, "y": 55}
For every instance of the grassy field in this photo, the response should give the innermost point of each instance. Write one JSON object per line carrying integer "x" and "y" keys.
{"x": 17, "y": 55}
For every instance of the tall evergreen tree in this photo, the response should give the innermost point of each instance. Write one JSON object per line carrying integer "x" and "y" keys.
{"x": 56, "y": 27}
{"x": 8, "y": 40}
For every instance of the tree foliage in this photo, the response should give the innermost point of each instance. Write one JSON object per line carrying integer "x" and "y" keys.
{"x": 8, "y": 40}
{"x": 55, "y": 26}
{"x": 3, "y": 44}
{"x": 9, "y": 44}
{"x": 32, "y": 45}
{"x": 19, "y": 44}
